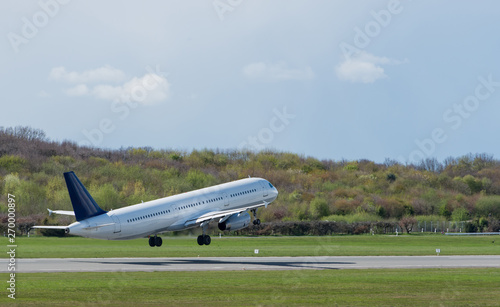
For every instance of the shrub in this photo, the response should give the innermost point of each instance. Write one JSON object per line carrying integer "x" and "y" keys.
{"x": 198, "y": 179}
{"x": 353, "y": 218}
{"x": 493, "y": 225}
{"x": 107, "y": 197}
{"x": 407, "y": 223}
{"x": 12, "y": 164}
{"x": 487, "y": 205}
{"x": 351, "y": 166}
{"x": 319, "y": 208}
{"x": 470, "y": 227}
{"x": 391, "y": 177}
{"x": 460, "y": 214}
{"x": 360, "y": 229}
{"x": 475, "y": 185}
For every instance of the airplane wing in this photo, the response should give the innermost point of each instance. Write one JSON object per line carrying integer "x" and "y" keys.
{"x": 224, "y": 215}
{"x": 63, "y": 212}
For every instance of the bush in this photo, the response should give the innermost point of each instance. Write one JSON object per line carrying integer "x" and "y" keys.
{"x": 391, "y": 177}
{"x": 493, "y": 225}
{"x": 407, "y": 223}
{"x": 475, "y": 185}
{"x": 316, "y": 228}
{"x": 470, "y": 227}
{"x": 319, "y": 208}
{"x": 12, "y": 164}
{"x": 487, "y": 205}
{"x": 198, "y": 179}
{"x": 460, "y": 214}
{"x": 107, "y": 197}
{"x": 353, "y": 218}
{"x": 360, "y": 229}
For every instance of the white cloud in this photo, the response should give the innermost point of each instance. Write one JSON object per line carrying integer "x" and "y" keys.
{"x": 149, "y": 89}
{"x": 79, "y": 90}
{"x": 364, "y": 68}
{"x": 101, "y": 74}
{"x": 107, "y": 92}
{"x": 276, "y": 72}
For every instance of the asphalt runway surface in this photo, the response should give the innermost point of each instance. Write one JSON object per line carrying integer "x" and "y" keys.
{"x": 247, "y": 263}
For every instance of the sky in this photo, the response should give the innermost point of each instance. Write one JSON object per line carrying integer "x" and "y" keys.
{"x": 404, "y": 80}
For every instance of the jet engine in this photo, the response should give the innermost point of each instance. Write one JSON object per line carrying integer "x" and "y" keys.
{"x": 236, "y": 222}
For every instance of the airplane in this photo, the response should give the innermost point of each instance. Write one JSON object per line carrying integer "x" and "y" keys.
{"x": 229, "y": 203}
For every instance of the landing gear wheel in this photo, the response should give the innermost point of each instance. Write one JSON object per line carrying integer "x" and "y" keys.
{"x": 204, "y": 240}
{"x": 152, "y": 241}
{"x": 207, "y": 240}
{"x": 200, "y": 240}
{"x": 256, "y": 221}
{"x": 158, "y": 241}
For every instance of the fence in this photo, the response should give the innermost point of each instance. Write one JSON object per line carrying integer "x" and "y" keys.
{"x": 435, "y": 226}
{"x": 440, "y": 226}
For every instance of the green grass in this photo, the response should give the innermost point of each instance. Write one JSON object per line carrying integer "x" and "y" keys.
{"x": 363, "y": 245}
{"x": 422, "y": 287}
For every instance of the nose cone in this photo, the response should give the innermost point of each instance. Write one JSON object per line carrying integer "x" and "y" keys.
{"x": 273, "y": 192}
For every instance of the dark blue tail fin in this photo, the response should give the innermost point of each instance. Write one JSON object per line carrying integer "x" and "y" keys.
{"x": 83, "y": 204}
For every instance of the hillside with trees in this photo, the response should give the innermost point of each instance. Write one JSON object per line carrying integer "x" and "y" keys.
{"x": 466, "y": 188}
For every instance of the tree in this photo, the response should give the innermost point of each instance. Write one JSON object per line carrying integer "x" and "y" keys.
{"x": 460, "y": 214}
{"x": 407, "y": 223}
{"x": 487, "y": 205}
{"x": 319, "y": 208}
{"x": 391, "y": 177}
{"x": 25, "y": 132}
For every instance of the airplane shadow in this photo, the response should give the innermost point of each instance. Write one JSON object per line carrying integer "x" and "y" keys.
{"x": 196, "y": 263}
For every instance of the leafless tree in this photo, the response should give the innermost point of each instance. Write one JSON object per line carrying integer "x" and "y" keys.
{"x": 407, "y": 223}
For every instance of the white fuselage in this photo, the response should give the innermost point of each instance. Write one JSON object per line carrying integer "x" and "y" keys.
{"x": 174, "y": 213}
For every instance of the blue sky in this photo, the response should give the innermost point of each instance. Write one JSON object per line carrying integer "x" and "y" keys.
{"x": 404, "y": 80}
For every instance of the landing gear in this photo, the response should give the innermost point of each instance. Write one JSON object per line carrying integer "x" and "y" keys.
{"x": 256, "y": 221}
{"x": 155, "y": 241}
{"x": 204, "y": 240}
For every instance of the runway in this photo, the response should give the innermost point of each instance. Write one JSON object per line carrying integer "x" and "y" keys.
{"x": 246, "y": 263}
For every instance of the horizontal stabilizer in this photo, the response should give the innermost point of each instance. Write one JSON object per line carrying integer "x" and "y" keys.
{"x": 62, "y": 212}
{"x": 50, "y": 227}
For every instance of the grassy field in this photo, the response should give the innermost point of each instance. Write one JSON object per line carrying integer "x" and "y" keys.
{"x": 362, "y": 245}
{"x": 423, "y": 287}
{"x": 410, "y": 287}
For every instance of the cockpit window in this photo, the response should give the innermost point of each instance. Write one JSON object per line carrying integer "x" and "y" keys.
{"x": 271, "y": 185}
